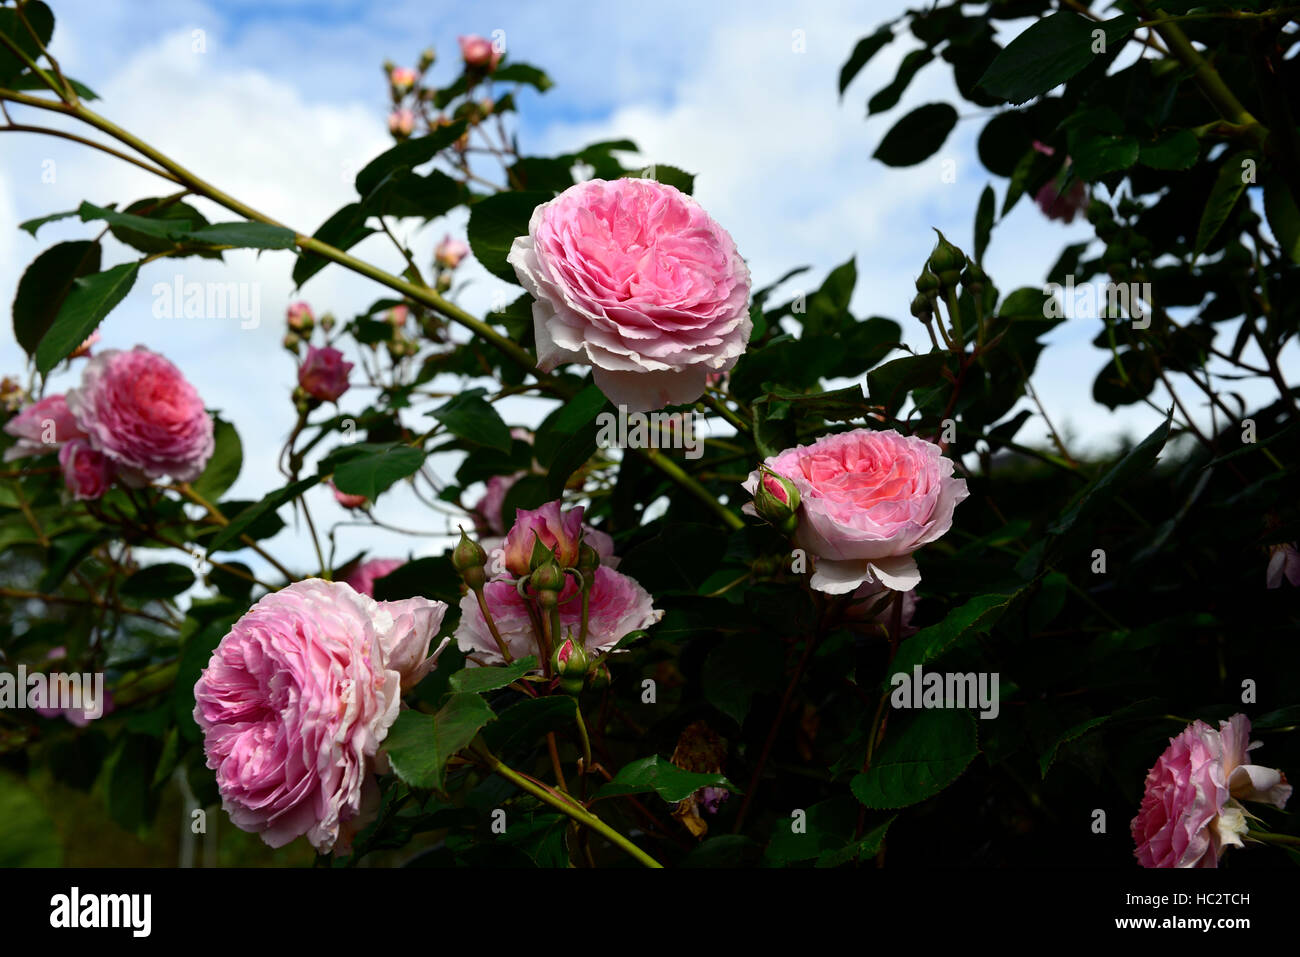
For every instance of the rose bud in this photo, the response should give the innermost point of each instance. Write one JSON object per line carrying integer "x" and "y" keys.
{"x": 402, "y": 79}
{"x": 450, "y": 252}
{"x": 570, "y": 660}
{"x": 946, "y": 262}
{"x": 479, "y": 53}
{"x": 86, "y": 472}
{"x": 299, "y": 317}
{"x": 776, "y": 500}
{"x": 427, "y": 59}
{"x": 468, "y": 558}
{"x": 324, "y": 374}
{"x": 560, "y": 531}
{"x": 547, "y": 579}
{"x": 401, "y": 123}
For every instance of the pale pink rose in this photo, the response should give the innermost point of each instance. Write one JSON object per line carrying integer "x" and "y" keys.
{"x": 348, "y": 500}
{"x": 449, "y": 252}
{"x": 84, "y": 349}
{"x": 1283, "y": 562}
{"x": 1189, "y": 811}
{"x": 555, "y": 528}
{"x": 363, "y": 576}
{"x": 140, "y": 412}
{"x": 298, "y": 315}
{"x": 42, "y": 427}
{"x": 633, "y": 278}
{"x": 324, "y": 374}
{"x": 618, "y": 606}
{"x": 296, "y": 701}
{"x": 401, "y": 123}
{"x": 868, "y": 500}
{"x": 86, "y": 473}
{"x": 479, "y": 52}
{"x": 402, "y": 78}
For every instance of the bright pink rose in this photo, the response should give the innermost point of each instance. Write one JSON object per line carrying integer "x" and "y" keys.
{"x": 138, "y": 410}
{"x": 479, "y": 52}
{"x": 634, "y": 279}
{"x": 1189, "y": 810}
{"x": 324, "y": 374}
{"x": 401, "y": 123}
{"x": 86, "y": 473}
{"x": 618, "y": 606}
{"x": 558, "y": 530}
{"x": 348, "y": 500}
{"x": 362, "y": 578}
{"x": 449, "y": 252}
{"x": 1283, "y": 562}
{"x": 868, "y": 500}
{"x": 296, "y": 701}
{"x": 42, "y": 427}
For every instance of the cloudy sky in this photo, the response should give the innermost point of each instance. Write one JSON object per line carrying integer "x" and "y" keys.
{"x": 279, "y": 102}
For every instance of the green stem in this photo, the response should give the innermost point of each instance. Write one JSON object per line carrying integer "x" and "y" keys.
{"x": 1268, "y": 837}
{"x": 572, "y": 809}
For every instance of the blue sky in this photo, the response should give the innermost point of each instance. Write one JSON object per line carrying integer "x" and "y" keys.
{"x": 287, "y": 100}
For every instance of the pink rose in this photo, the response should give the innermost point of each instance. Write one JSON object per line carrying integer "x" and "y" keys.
{"x": 634, "y": 279}
{"x": 86, "y": 473}
{"x": 558, "y": 530}
{"x": 1283, "y": 562}
{"x": 84, "y": 349}
{"x": 487, "y": 513}
{"x": 402, "y": 78}
{"x": 1064, "y": 206}
{"x": 324, "y": 374}
{"x": 42, "y": 427}
{"x": 479, "y": 52}
{"x": 347, "y": 500}
{"x": 401, "y": 123}
{"x": 138, "y": 410}
{"x": 299, "y": 315}
{"x": 618, "y": 605}
{"x": 868, "y": 500}
{"x": 296, "y": 701}
{"x": 449, "y": 252}
{"x": 362, "y": 578}
{"x": 1189, "y": 812}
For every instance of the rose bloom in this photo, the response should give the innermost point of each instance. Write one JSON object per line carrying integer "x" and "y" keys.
{"x": 296, "y": 701}
{"x": 324, "y": 374}
{"x": 298, "y": 315}
{"x": 1190, "y": 811}
{"x": 479, "y": 52}
{"x": 50, "y": 418}
{"x": 137, "y": 409}
{"x": 618, "y": 605}
{"x": 401, "y": 123}
{"x": 363, "y": 576}
{"x": 450, "y": 252}
{"x": 558, "y": 530}
{"x": 633, "y": 278}
{"x": 86, "y": 473}
{"x": 348, "y": 500}
{"x": 868, "y": 500}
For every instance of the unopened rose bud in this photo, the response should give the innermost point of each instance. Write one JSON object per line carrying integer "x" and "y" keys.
{"x": 946, "y": 262}
{"x": 401, "y": 123}
{"x": 449, "y": 252}
{"x": 547, "y": 579}
{"x": 468, "y": 558}
{"x": 478, "y": 52}
{"x": 397, "y": 316}
{"x": 922, "y": 308}
{"x": 327, "y": 321}
{"x": 777, "y": 501}
{"x": 292, "y": 341}
{"x": 299, "y": 317}
{"x": 427, "y": 59}
{"x": 402, "y": 79}
{"x": 569, "y": 659}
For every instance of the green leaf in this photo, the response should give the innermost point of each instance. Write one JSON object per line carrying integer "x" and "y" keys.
{"x": 244, "y": 235}
{"x": 917, "y": 136}
{"x": 867, "y": 47}
{"x": 420, "y": 745}
{"x": 1048, "y": 53}
{"x": 1097, "y": 155}
{"x": 90, "y": 299}
{"x": 984, "y": 216}
{"x": 223, "y": 468}
{"x": 376, "y": 469}
{"x": 869, "y": 846}
{"x": 669, "y": 176}
{"x": 470, "y": 417}
{"x": 524, "y": 723}
{"x": 1283, "y": 217}
{"x": 921, "y": 755}
{"x": 29, "y": 81}
{"x": 740, "y": 667}
{"x": 32, "y": 225}
{"x": 1078, "y": 731}
{"x": 523, "y": 73}
{"x": 165, "y": 580}
{"x": 1227, "y": 189}
{"x": 494, "y": 223}
{"x": 195, "y": 654}
{"x": 229, "y": 534}
{"x": 343, "y": 230}
{"x": 41, "y": 20}
{"x": 29, "y": 837}
{"x": 888, "y": 97}
{"x": 573, "y": 415}
{"x": 663, "y": 778}
{"x": 407, "y": 155}
{"x": 977, "y": 616}
{"x": 889, "y": 384}
{"x": 45, "y": 285}
{"x": 490, "y": 679}
{"x": 826, "y": 826}
{"x": 156, "y": 227}
{"x": 1177, "y": 150}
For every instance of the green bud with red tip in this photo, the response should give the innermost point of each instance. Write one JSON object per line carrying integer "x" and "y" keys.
{"x": 776, "y": 500}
